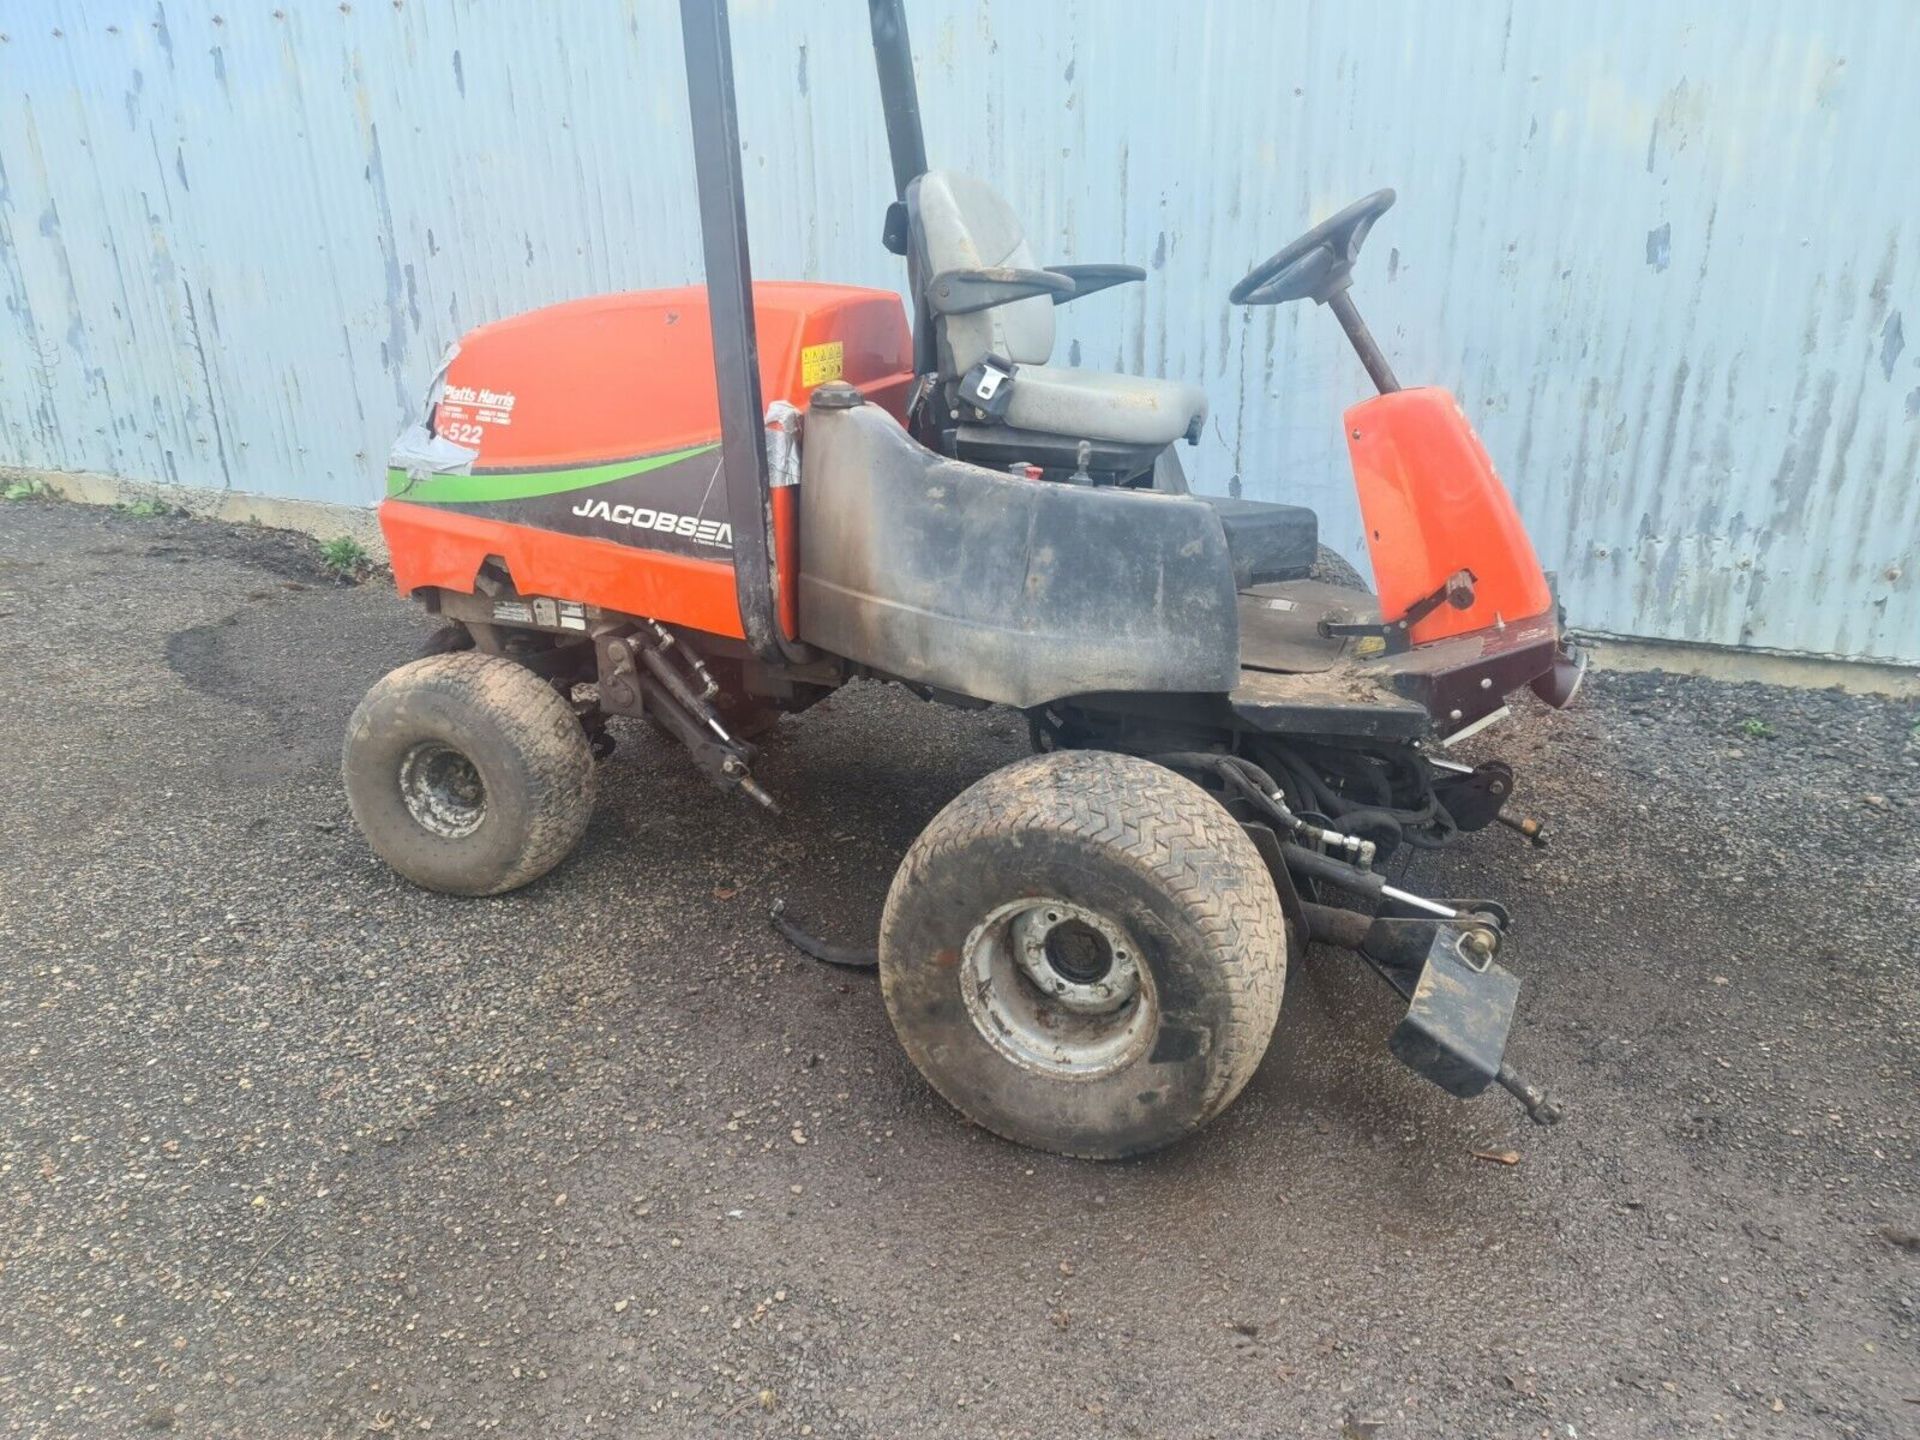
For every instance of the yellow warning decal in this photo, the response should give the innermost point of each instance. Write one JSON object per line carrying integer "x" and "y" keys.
{"x": 821, "y": 363}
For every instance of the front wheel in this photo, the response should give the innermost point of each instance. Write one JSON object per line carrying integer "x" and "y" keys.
{"x": 468, "y": 773}
{"x": 1084, "y": 953}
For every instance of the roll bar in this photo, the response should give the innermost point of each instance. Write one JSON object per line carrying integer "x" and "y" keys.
{"x": 899, "y": 95}
{"x": 708, "y": 45}
{"x": 736, "y": 364}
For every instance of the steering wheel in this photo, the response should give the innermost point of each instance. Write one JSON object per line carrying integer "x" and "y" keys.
{"x": 1319, "y": 263}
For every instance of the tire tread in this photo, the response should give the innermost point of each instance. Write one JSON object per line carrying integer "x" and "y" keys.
{"x": 1169, "y": 829}
{"x": 542, "y": 726}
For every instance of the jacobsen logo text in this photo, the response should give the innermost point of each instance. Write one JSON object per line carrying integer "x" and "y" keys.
{"x": 701, "y": 532}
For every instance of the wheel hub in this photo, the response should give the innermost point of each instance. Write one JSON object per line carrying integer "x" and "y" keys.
{"x": 1080, "y": 959}
{"x": 1058, "y": 987}
{"x": 1079, "y": 953}
{"x": 442, "y": 789}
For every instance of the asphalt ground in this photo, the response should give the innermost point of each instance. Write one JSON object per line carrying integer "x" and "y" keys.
{"x": 290, "y": 1148}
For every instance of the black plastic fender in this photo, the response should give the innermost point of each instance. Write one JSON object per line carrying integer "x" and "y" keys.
{"x": 1013, "y": 591}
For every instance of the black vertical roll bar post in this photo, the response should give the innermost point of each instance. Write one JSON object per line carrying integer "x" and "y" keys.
{"x": 906, "y": 143}
{"x": 899, "y": 96}
{"x": 736, "y": 365}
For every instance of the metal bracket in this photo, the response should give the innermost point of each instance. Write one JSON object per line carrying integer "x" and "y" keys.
{"x": 636, "y": 678}
{"x": 1267, "y": 842}
{"x": 1459, "y": 1002}
{"x": 1457, "y": 592}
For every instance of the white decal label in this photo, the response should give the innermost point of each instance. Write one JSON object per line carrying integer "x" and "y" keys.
{"x": 688, "y": 527}
{"x": 466, "y": 410}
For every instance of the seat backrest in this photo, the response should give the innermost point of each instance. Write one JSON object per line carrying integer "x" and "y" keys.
{"x": 956, "y": 222}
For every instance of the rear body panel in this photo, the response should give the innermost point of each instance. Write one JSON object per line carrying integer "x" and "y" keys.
{"x": 596, "y": 439}
{"x": 437, "y": 547}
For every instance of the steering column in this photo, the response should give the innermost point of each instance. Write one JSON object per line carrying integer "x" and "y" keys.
{"x": 1320, "y": 265}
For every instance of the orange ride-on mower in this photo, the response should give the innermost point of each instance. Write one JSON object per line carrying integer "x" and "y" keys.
{"x": 705, "y": 506}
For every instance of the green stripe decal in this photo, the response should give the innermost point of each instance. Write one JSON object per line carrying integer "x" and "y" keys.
{"x": 525, "y": 484}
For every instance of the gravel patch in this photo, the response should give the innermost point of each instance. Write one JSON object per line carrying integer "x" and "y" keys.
{"x": 291, "y": 1148}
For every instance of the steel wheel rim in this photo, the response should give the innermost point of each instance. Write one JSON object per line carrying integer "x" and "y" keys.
{"x": 1058, "y": 989}
{"x": 443, "y": 790}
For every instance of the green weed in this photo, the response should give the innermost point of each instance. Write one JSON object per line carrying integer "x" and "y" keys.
{"x": 345, "y": 557}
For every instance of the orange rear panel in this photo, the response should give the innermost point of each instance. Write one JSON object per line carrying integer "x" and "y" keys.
{"x": 1433, "y": 506}
{"x": 597, "y": 429}
{"x": 443, "y": 548}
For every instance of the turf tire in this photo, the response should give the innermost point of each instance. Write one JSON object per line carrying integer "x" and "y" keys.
{"x": 513, "y": 728}
{"x": 1134, "y": 842}
{"x": 1331, "y": 566}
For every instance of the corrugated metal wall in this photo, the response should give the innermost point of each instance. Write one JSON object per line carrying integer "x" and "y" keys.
{"x": 1666, "y": 253}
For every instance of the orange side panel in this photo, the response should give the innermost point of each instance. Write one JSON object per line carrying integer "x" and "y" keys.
{"x": 1433, "y": 506}
{"x": 611, "y": 377}
{"x": 431, "y": 546}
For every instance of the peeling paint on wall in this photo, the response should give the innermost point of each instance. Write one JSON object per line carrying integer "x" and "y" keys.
{"x": 1660, "y": 247}
{"x": 1663, "y": 254}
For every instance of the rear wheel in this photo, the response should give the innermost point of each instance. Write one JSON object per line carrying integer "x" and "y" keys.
{"x": 468, "y": 773}
{"x": 1084, "y": 953}
{"x": 1335, "y": 569}
{"x": 445, "y": 639}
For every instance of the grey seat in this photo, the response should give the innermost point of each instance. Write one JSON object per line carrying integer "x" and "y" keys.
{"x": 959, "y": 223}
{"x": 965, "y": 247}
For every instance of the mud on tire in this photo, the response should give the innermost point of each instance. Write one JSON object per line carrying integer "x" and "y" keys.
{"x": 1084, "y": 953}
{"x": 468, "y": 773}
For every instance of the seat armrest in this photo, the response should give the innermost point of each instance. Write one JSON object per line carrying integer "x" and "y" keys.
{"x": 1087, "y": 279}
{"x": 962, "y": 292}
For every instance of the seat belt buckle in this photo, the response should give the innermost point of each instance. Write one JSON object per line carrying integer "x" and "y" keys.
{"x": 988, "y": 387}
